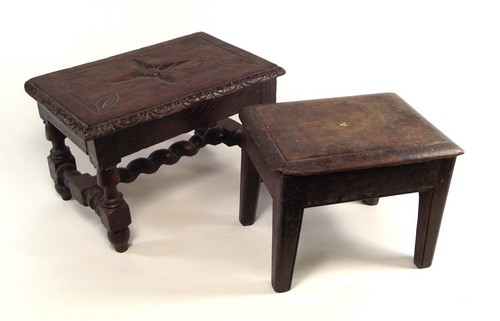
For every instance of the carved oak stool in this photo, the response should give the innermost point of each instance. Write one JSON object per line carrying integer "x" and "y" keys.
{"x": 117, "y": 106}
{"x": 321, "y": 152}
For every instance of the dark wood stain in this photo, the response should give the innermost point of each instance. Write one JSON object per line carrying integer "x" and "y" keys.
{"x": 114, "y": 107}
{"x": 313, "y": 153}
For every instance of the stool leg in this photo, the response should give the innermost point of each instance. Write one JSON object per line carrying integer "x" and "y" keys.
{"x": 60, "y": 159}
{"x": 371, "y": 201}
{"x": 287, "y": 222}
{"x": 430, "y": 213}
{"x": 113, "y": 210}
{"x": 249, "y": 189}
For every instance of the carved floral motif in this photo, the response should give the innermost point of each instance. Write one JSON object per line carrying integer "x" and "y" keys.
{"x": 106, "y": 102}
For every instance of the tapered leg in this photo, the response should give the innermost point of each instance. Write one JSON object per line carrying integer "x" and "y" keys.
{"x": 60, "y": 159}
{"x": 249, "y": 189}
{"x": 113, "y": 210}
{"x": 287, "y": 222}
{"x": 430, "y": 213}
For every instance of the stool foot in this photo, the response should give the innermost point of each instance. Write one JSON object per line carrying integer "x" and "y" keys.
{"x": 120, "y": 239}
{"x": 113, "y": 210}
{"x": 430, "y": 213}
{"x": 63, "y": 191}
{"x": 371, "y": 201}
{"x": 287, "y": 222}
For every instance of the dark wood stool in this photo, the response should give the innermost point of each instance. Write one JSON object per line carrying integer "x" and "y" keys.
{"x": 117, "y": 106}
{"x": 321, "y": 152}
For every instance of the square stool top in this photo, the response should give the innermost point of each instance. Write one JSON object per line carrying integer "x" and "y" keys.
{"x": 101, "y": 97}
{"x": 343, "y": 134}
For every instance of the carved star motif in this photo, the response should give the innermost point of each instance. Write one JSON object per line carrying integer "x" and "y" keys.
{"x": 162, "y": 71}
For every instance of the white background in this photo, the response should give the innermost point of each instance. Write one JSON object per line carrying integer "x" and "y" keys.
{"x": 190, "y": 258}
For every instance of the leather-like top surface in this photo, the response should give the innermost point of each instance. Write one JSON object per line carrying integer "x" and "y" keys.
{"x": 346, "y": 133}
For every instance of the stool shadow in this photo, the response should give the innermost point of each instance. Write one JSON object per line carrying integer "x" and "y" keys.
{"x": 210, "y": 251}
{"x": 323, "y": 242}
{"x": 170, "y": 178}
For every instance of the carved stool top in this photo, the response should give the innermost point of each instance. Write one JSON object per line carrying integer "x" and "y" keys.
{"x": 341, "y": 134}
{"x": 102, "y": 97}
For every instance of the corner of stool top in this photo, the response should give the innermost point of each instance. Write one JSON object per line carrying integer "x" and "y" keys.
{"x": 343, "y": 134}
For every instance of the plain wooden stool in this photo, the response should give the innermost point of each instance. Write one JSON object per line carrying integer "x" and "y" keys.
{"x": 320, "y": 152}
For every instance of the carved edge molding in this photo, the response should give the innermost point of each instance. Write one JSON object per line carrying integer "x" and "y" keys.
{"x": 56, "y": 109}
{"x": 156, "y": 112}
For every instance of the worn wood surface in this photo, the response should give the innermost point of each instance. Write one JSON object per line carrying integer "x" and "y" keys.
{"x": 339, "y": 134}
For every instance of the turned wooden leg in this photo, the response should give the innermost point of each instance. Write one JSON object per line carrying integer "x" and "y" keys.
{"x": 430, "y": 213}
{"x": 287, "y": 222}
{"x": 249, "y": 189}
{"x": 113, "y": 210}
{"x": 60, "y": 159}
